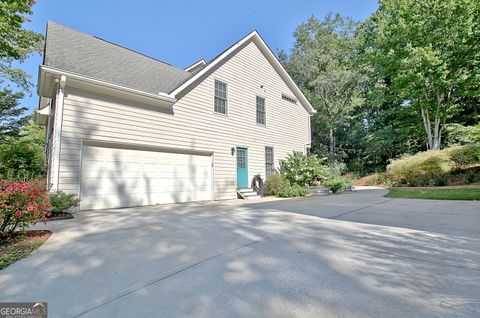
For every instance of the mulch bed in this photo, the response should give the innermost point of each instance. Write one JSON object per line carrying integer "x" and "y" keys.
{"x": 60, "y": 216}
{"x": 20, "y": 245}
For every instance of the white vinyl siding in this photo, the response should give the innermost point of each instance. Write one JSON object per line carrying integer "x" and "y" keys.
{"x": 261, "y": 111}
{"x": 193, "y": 125}
{"x": 220, "y": 102}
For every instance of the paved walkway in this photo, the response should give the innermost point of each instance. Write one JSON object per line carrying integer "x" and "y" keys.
{"x": 264, "y": 259}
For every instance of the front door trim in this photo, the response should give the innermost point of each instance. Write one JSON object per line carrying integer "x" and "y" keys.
{"x": 242, "y": 173}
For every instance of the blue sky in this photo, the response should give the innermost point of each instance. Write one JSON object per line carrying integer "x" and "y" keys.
{"x": 181, "y": 32}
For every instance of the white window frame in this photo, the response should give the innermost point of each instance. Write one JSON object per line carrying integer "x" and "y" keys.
{"x": 264, "y": 110}
{"x": 268, "y": 173}
{"x": 215, "y": 97}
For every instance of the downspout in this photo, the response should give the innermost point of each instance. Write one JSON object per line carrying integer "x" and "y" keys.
{"x": 58, "y": 132}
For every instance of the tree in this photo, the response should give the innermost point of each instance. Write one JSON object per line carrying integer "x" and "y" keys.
{"x": 320, "y": 61}
{"x": 22, "y": 157}
{"x": 11, "y": 119}
{"x": 16, "y": 44}
{"x": 426, "y": 54}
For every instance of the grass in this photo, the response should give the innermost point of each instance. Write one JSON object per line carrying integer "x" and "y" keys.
{"x": 437, "y": 193}
{"x": 21, "y": 245}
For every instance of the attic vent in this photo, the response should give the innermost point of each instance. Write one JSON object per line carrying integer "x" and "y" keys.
{"x": 289, "y": 99}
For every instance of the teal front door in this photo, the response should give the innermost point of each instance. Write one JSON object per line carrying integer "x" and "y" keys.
{"x": 242, "y": 168}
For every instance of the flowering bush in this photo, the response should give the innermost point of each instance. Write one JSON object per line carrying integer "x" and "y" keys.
{"x": 302, "y": 170}
{"x": 22, "y": 204}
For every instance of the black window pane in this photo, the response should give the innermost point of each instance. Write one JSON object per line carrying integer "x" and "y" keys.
{"x": 269, "y": 161}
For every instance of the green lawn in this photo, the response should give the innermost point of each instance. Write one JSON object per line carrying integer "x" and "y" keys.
{"x": 437, "y": 193}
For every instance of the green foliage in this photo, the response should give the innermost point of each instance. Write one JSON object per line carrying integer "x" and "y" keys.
{"x": 22, "y": 157}
{"x": 16, "y": 43}
{"x": 11, "y": 113}
{"x": 459, "y": 134}
{"x": 278, "y": 185}
{"x": 273, "y": 183}
{"x": 292, "y": 190}
{"x": 335, "y": 184}
{"x": 62, "y": 201}
{"x": 464, "y": 155}
{"x": 422, "y": 53}
{"x": 459, "y": 193}
{"x": 302, "y": 170}
{"x": 334, "y": 169}
{"x": 321, "y": 61}
{"x": 409, "y": 58}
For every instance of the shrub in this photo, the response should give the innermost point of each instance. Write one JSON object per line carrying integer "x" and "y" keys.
{"x": 422, "y": 168}
{"x": 21, "y": 160}
{"x": 62, "y": 201}
{"x": 21, "y": 205}
{"x": 335, "y": 184}
{"x": 277, "y": 185}
{"x": 301, "y": 169}
{"x": 292, "y": 190}
{"x": 273, "y": 183}
{"x": 464, "y": 155}
{"x": 335, "y": 169}
{"x": 458, "y": 134}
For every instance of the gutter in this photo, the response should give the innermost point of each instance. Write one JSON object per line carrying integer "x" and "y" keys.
{"x": 160, "y": 96}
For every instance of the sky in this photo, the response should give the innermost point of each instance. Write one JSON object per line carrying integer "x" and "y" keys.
{"x": 181, "y": 32}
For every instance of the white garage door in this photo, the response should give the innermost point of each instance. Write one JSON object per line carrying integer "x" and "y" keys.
{"x": 113, "y": 177}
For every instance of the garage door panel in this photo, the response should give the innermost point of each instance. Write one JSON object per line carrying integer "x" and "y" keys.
{"x": 113, "y": 177}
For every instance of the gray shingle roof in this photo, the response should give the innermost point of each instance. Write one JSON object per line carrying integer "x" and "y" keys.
{"x": 73, "y": 51}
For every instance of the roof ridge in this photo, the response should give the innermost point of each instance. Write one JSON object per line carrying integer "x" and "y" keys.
{"x": 115, "y": 44}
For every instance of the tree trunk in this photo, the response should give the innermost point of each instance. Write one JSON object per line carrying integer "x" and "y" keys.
{"x": 428, "y": 129}
{"x": 437, "y": 128}
{"x": 434, "y": 137}
{"x": 437, "y": 134}
{"x": 331, "y": 141}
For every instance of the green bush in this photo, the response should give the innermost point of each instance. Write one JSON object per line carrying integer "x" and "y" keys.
{"x": 62, "y": 201}
{"x": 336, "y": 184}
{"x": 273, "y": 183}
{"x": 21, "y": 160}
{"x": 277, "y": 185}
{"x": 422, "y": 168}
{"x": 292, "y": 190}
{"x": 302, "y": 170}
{"x": 457, "y": 134}
{"x": 464, "y": 155}
{"x": 334, "y": 169}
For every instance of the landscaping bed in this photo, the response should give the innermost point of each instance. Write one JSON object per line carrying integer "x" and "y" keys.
{"x": 59, "y": 216}
{"x": 21, "y": 244}
{"x": 437, "y": 193}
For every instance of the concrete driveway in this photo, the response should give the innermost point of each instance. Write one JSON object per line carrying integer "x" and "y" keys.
{"x": 290, "y": 258}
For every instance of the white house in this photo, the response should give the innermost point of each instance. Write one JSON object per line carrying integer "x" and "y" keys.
{"x": 125, "y": 129}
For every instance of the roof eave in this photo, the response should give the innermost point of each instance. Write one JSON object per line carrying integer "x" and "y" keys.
{"x": 46, "y": 84}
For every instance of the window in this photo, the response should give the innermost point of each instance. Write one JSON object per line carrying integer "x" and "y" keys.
{"x": 260, "y": 110}
{"x": 289, "y": 99}
{"x": 269, "y": 163}
{"x": 220, "y": 97}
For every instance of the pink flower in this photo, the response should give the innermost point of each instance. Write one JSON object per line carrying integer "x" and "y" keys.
{"x": 31, "y": 208}
{"x": 18, "y": 213}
